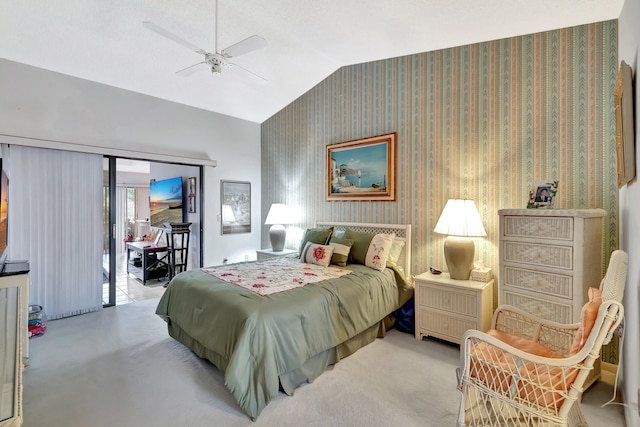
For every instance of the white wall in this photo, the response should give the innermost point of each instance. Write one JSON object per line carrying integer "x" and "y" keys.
{"x": 629, "y": 44}
{"x": 37, "y": 104}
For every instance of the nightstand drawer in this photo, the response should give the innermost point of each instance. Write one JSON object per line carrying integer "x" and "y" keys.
{"x": 534, "y": 254}
{"x": 557, "y": 285}
{"x": 556, "y": 228}
{"x": 439, "y": 297}
{"x": 557, "y": 312}
{"x": 442, "y": 324}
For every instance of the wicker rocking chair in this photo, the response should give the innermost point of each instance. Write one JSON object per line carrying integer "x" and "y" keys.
{"x": 531, "y": 372}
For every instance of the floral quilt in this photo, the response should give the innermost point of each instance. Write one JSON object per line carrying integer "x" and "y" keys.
{"x": 274, "y": 275}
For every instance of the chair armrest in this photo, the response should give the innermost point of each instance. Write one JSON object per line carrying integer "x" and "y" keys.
{"x": 556, "y": 336}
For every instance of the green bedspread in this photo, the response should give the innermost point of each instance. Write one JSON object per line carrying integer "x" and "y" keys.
{"x": 261, "y": 341}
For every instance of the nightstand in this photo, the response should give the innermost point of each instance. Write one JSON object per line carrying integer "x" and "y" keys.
{"x": 269, "y": 253}
{"x": 445, "y": 308}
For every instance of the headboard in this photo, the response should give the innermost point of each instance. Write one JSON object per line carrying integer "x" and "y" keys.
{"x": 402, "y": 231}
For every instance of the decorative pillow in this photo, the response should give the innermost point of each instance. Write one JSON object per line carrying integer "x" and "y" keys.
{"x": 378, "y": 251}
{"x": 316, "y": 254}
{"x": 360, "y": 246}
{"x": 394, "y": 252}
{"x": 588, "y": 317}
{"x": 319, "y": 236}
{"x": 341, "y": 249}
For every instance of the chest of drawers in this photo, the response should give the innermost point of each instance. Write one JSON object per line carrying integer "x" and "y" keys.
{"x": 548, "y": 260}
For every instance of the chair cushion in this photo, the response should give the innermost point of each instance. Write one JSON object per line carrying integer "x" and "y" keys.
{"x": 495, "y": 367}
{"x": 528, "y": 346}
{"x": 588, "y": 317}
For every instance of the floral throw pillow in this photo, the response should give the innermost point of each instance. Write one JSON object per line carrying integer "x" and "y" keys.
{"x": 314, "y": 253}
{"x": 378, "y": 251}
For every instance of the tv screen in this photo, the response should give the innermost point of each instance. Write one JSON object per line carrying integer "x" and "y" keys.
{"x": 4, "y": 186}
{"x": 165, "y": 201}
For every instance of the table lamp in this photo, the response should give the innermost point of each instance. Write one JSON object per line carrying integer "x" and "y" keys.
{"x": 460, "y": 220}
{"x": 277, "y": 217}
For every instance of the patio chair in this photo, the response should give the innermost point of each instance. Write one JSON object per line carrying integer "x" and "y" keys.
{"x": 528, "y": 371}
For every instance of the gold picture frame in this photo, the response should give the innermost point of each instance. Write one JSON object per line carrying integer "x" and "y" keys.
{"x": 362, "y": 170}
{"x": 625, "y": 140}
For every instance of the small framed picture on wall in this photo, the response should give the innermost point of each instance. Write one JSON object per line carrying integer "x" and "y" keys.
{"x": 191, "y": 203}
{"x": 235, "y": 202}
{"x": 192, "y": 186}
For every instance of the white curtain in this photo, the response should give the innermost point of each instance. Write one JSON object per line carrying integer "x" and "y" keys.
{"x": 55, "y": 221}
{"x": 142, "y": 203}
{"x": 142, "y": 211}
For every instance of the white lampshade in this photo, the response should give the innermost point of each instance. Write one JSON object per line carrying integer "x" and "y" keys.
{"x": 460, "y": 218}
{"x": 459, "y": 221}
{"x": 277, "y": 217}
{"x": 278, "y": 214}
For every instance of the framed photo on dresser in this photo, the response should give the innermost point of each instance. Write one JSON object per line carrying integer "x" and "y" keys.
{"x": 542, "y": 194}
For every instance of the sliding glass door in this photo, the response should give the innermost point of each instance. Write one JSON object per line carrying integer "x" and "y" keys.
{"x": 109, "y": 232}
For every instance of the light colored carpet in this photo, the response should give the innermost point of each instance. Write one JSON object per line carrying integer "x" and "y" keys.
{"x": 119, "y": 367}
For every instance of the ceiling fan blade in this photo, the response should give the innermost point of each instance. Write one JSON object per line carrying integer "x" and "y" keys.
{"x": 153, "y": 27}
{"x": 250, "y": 72}
{"x": 189, "y": 70}
{"x": 247, "y": 45}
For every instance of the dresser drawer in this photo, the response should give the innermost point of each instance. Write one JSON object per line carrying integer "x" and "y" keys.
{"x": 441, "y": 298}
{"x": 535, "y": 254}
{"x": 546, "y": 309}
{"x": 442, "y": 324}
{"x": 558, "y": 285}
{"x": 555, "y": 228}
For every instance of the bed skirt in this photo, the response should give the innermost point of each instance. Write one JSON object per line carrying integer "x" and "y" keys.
{"x": 291, "y": 380}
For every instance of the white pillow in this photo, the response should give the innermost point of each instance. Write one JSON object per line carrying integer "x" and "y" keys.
{"x": 394, "y": 252}
{"x": 314, "y": 253}
{"x": 378, "y": 251}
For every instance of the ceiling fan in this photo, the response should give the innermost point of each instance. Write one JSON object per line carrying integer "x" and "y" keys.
{"x": 217, "y": 60}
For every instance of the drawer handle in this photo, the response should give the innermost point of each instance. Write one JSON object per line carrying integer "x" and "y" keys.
{"x": 541, "y": 256}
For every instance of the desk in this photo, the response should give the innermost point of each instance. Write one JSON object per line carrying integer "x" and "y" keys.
{"x": 151, "y": 265}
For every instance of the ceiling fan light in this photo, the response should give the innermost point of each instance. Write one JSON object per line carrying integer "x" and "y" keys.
{"x": 216, "y": 69}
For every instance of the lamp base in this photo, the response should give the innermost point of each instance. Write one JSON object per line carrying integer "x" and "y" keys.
{"x": 277, "y": 235}
{"x": 459, "y": 253}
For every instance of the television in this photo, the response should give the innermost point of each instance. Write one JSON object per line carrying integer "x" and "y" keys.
{"x": 4, "y": 230}
{"x": 165, "y": 201}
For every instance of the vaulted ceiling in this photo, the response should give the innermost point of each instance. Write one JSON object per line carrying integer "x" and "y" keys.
{"x": 306, "y": 40}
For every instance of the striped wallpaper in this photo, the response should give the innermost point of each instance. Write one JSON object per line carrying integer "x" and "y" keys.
{"x": 481, "y": 122}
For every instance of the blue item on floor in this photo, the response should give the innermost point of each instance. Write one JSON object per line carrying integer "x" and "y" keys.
{"x": 405, "y": 315}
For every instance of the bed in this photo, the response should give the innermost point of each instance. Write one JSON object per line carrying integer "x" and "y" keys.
{"x": 266, "y": 342}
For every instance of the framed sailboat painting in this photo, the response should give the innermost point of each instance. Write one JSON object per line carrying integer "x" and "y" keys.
{"x": 362, "y": 170}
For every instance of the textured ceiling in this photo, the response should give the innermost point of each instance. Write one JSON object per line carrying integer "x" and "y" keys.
{"x": 104, "y": 41}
